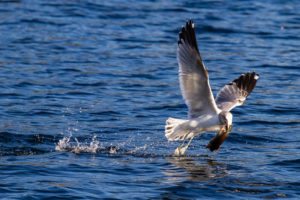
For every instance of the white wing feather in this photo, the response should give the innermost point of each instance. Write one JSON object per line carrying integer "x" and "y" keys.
{"x": 193, "y": 76}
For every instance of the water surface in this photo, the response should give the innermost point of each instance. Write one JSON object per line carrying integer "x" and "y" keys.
{"x": 86, "y": 87}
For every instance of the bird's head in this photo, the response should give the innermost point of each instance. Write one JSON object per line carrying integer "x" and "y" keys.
{"x": 225, "y": 119}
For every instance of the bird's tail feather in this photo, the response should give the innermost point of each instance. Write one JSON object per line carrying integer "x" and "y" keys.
{"x": 174, "y": 129}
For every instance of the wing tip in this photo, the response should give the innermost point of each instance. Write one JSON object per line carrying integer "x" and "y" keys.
{"x": 188, "y": 35}
{"x": 246, "y": 81}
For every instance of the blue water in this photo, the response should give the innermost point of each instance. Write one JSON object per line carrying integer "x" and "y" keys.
{"x": 86, "y": 87}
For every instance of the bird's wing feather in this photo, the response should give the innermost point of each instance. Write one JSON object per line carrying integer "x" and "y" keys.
{"x": 235, "y": 93}
{"x": 193, "y": 76}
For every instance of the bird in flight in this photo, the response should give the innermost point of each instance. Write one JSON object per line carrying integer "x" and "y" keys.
{"x": 205, "y": 113}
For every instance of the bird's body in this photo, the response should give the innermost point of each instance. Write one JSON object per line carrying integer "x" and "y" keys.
{"x": 176, "y": 129}
{"x": 205, "y": 113}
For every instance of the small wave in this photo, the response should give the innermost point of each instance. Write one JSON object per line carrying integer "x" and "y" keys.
{"x": 273, "y": 122}
{"x": 95, "y": 84}
{"x": 14, "y": 144}
{"x": 105, "y": 113}
{"x": 212, "y": 29}
{"x": 21, "y": 151}
{"x": 289, "y": 163}
{"x": 81, "y": 93}
{"x": 10, "y": 94}
{"x": 253, "y": 139}
{"x": 166, "y": 106}
{"x": 38, "y": 21}
{"x": 24, "y": 84}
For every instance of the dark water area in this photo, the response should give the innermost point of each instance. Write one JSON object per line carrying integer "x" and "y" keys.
{"x": 86, "y": 87}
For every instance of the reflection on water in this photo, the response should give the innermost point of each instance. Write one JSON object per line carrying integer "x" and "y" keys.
{"x": 194, "y": 169}
{"x": 191, "y": 174}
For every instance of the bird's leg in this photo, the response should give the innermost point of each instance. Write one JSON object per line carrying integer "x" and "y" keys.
{"x": 177, "y": 151}
{"x": 182, "y": 150}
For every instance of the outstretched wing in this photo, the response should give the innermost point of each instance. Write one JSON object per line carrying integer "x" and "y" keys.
{"x": 235, "y": 93}
{"x": 193, "y": 76}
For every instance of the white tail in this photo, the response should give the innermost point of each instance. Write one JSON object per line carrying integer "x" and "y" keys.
{"x": 174, "y": 129}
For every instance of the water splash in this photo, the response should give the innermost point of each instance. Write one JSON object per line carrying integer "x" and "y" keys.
{"x": 130, "y": 146}
{"x": 139, "y": 148}
{"x": 66, "y": 144}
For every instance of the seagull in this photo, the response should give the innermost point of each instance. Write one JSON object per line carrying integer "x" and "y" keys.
{"x": 205, "y": 113}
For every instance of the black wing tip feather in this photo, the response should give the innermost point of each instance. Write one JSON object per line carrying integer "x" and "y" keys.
{"x": 246, "y": 81}
{"x": 187, "y": 34}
